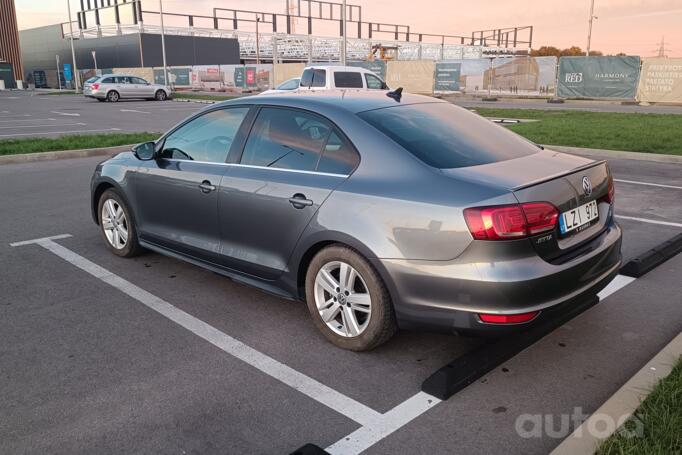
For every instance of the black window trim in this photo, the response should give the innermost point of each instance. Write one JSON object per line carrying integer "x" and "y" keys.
{"x": 237, "y": 143}
{"x": 238, "y": 156}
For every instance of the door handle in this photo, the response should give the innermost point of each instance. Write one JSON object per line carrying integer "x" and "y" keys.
{"x": 206, "y": 186}
{"x": 299, "y": 201}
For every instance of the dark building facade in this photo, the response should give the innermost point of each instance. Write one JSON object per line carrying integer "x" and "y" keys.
{"x": 41, "y": 45}
{"x": 10, "y": 53}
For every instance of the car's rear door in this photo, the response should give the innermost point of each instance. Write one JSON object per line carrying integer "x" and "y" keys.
{"x": 292, "y": 160}
{"x": 177, "y": 194}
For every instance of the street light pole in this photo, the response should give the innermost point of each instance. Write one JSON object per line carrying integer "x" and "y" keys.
{"x": 163, "y": 45}
{"x": 257, "y": 42}
{"x": 589, "y": 31}
{"x": 94, "y": 57}
{"x": 59, "y": 79}
{"x": 73, "y": 52}
{"x": 343, "y": 29}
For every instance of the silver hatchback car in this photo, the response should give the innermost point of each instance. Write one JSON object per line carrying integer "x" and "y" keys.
{"x": 113, "y": 87}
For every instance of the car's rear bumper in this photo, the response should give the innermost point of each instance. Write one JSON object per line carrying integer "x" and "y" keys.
{"x": 449, "y": 295}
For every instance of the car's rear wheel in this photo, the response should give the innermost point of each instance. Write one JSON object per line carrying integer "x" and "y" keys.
{"x": 348, "y": 300}
{"x": 116, "y": 225}
{"x": 160, "y": 95}
{"x": 113, "y": 96}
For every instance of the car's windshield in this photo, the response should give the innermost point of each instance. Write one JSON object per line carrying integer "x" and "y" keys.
{"x": 445, "y": 136}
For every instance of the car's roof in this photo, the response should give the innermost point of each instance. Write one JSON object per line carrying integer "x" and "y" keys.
{"x": 352, "y": 100}
{"x": 337, "y": 68}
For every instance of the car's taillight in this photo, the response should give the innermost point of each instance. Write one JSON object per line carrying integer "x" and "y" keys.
{"x": 508, "y": 318}
{"x": 95, "y": 86}
{"x": 611, "y": 195}
{"x": 504, "y": 222}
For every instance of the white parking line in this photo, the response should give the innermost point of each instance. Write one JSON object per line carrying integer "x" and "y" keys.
{"x": 28, "y": 120}
{"x": 647, "y": 220}
{"x": 660, "y": 185}
{"x": 70, "y": 114}
{"x": 42, "y": 126}
{"x": 316, "y": 390}
{"x": 134, "y": 110}
{"x": 61, "y": 132}
{"x": 375, "y": 426}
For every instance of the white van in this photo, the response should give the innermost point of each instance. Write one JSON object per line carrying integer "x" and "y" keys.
{"x": 333, "y": 77}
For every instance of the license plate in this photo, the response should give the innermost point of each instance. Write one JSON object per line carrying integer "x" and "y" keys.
{"x": 579, "y": 217}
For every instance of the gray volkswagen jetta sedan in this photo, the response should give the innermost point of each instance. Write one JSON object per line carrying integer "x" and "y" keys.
{"x": 380, "y": 212}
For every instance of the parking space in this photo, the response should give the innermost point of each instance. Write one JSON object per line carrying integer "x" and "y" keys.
{"x": 23, "y": 114}
{"x": 155, "y": 355}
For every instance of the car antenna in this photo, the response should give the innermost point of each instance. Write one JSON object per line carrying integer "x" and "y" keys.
{"x": 396, "y": 94}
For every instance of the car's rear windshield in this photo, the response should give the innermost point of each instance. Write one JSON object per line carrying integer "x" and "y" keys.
{"x": 445, "y": 136}
{"x": 92, "y": 79}
{"x": 347, "y": 79}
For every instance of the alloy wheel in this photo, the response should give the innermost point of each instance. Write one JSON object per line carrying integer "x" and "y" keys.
{"x": 342, "y": 299}
{"x": 114, "y": 224}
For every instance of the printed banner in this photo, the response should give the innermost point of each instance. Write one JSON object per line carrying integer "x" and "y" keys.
{"x": 598, "y": 77}
{"x": 179, "y": 77}
{"x": 447, "y": 76}
{"x": 378, "y": 67}
{"x": 507, "y": 75}
{"x": 414, "y": 76}
{"x": 660, "y": 80}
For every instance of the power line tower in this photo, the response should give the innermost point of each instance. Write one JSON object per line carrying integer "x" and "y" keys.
{"x": 661, "y": 49}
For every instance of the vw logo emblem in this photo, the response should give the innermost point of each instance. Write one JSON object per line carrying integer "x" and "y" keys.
{"x": 587, "y": 186}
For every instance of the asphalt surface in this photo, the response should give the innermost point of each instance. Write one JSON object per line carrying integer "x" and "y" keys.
{"x": 86, "y": 368}
{"x": 27, "y": 114}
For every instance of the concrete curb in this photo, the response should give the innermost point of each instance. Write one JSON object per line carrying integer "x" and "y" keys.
{"x": 186, "y": 100}
{"x": 615, "y": 154}
{"x": 623, "y": 403}
{"x": 47, "y": 156}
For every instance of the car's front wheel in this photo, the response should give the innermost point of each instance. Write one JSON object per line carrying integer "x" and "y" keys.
{"x": 348, "y": 300}
{"x": 116, "y": 225}
{"x": 160, "y": 95}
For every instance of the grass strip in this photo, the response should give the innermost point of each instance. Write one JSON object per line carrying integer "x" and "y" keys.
{"x": 633, "y": 132}
{"x": 73, "y": 142}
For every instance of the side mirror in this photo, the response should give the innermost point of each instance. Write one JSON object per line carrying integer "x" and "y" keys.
{"x": 145, "y": 151}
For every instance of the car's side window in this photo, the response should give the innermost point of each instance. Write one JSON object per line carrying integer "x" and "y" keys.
{"x": 108, "y": 80}
{"x": 137, "y": 80}
{"x": 206, "y": 138}
{"x": 286, "y": 138}
{"x": 347, "y": 79}
{"x": 373, "y": 82}
{"x": 338, "y": 155}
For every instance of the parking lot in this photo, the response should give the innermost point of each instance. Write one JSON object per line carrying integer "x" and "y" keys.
{"x": 26, "y": 114}
{"x": 154, "y": 355}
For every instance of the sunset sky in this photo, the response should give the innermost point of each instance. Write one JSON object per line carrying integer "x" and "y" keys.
{"x": 631, "y": 26}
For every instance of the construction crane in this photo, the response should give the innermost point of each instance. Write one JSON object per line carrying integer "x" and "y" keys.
{"x": 385, "y": 52}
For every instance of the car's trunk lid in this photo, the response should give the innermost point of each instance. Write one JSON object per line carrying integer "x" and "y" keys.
{"x": 553, "y": 177}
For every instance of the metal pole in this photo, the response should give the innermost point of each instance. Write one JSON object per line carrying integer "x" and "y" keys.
{"x": 73, "y": 52}
{"x": 343, "y": 39}
{"x": 490, "y": 76}
{"x": 59, "y": 80}
{"x": 163, "y": 45}
{"x": 94, "y": 57}
{"x": 589, "y": 31}
{"x": 257, "y": 40}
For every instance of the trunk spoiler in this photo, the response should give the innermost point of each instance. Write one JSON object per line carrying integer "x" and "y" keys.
{"x": 558, "y": 175}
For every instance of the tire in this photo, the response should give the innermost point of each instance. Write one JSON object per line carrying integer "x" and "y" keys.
{"x": 160, "y": 95}
{"x": 131, "y": 246}
{"x": 376, "y": 327}
{"x": 113, "y": 96}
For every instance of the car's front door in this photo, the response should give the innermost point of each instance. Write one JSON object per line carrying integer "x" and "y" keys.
{"x": 291, "y": 162}
{"x": 143, "y": 89}
{"x": 177, "y": 194}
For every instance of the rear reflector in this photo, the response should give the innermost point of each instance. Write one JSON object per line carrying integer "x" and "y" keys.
{"x": 516, "y": 221}
{"x": 508, "y": 318}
